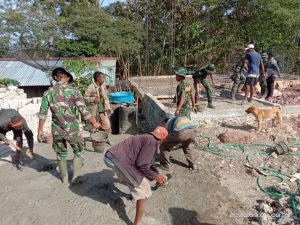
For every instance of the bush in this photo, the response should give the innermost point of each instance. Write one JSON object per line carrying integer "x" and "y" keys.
{"x": 9, "y": 82}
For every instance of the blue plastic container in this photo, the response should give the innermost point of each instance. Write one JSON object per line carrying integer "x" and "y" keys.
{"x": 122, "y": 97}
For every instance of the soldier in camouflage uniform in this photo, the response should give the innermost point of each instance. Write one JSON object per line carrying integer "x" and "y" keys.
{"x": 184, "y": 95}
{"x": 199, "y": 76}
{"x": 262, "y": 77}
{"x": 63, "y": 101}
{"x": 238, "y": 77}
{"x": 97, "y": 102}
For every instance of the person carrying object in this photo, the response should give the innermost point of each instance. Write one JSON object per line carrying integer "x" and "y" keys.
{"x": 97, "y": 101}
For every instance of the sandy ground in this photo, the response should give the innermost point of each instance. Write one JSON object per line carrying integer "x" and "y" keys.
{"x": 36, "y": 196}
{"x": 222, "y": 191}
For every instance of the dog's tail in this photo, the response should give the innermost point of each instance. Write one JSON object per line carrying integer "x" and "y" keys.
{"x": 278, "y": 106}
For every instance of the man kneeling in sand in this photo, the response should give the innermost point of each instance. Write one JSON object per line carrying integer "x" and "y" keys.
{"x": 132, "y": 160}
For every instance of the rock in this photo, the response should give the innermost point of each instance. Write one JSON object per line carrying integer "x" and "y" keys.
{"x": 274, "y": 155}
{"x": 254, "y": 223}
{"x": 283, "y": 202}
{"x": 2, "y": 89}
{"x": 277, "y": 93}
{"x": 265, "y": 219}
{"x": 283, "y": 188}
{"x": 236, "y": 136}
{"x": 291, "y": 139}
{"x": 293, "y": 149}
{"x": 263, "y": 207}
{"x": 285, "y": 219}
{"x": 297, "y": 199}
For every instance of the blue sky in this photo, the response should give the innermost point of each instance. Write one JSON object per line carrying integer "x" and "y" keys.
{"x": 107, "y": 2}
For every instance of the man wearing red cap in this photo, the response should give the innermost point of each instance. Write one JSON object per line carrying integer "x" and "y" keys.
{"x": 11, "y": 120}
{"x": 133, "y": 162}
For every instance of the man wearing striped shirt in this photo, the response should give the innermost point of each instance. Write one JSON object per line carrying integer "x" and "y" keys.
{"x": 181, "y": 131}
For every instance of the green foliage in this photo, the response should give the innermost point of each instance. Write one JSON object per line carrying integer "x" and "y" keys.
{"x": 83, "y": 72}
{"x": 8, "y": 82}
{"x": 150, "y": 37}
{"x": 80, "y": 48}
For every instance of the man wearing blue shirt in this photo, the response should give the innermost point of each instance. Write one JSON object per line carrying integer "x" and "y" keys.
{"x": 254, "y": 66}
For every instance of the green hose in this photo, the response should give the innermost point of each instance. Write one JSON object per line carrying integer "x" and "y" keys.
{"x": 224, "y": 150}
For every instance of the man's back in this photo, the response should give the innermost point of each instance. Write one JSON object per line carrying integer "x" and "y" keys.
{"x": 184, "y": 88}
{"x": 254, "y": 60}
{"x": 6, "y": 115}
{"x": 179, "y": 123}
{"x": 136, "y": 155}
{"x": 63, "y": 100}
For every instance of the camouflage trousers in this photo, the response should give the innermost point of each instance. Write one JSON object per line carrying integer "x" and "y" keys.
{"x": 60, "y": 146}
{"x": 263, "y": 86}
{"x": 208, "y": 89}
{"x": 237, "y": 85}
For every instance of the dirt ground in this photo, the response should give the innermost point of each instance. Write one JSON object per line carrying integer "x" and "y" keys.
{"x": 221, "y": 191}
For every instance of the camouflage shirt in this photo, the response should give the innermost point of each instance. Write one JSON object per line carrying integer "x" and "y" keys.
{"x": 184, "y": 88}
{"x": 63, "y": 101}
{"x": 200, "y": 74}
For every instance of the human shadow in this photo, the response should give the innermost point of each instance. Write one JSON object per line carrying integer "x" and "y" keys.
{"x": 185, "y": 217}
{"x": 39, "y": 163}
{"x": 5, "y": 153}
{"x": 42, "y": 164}
{"x": 177, "y": 162}
{"x": 172, "y": 159}
{"x": 100, "y": 187}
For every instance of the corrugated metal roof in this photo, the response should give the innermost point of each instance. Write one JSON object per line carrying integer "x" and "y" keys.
{"x": 30, "y": 76}
{"x": 26, "y": 75}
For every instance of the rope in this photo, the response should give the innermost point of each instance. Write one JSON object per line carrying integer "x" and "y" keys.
{"x": 224, "y": 150}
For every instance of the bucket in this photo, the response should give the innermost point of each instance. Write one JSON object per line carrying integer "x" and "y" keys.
{"x": 281, "y": 148}
{"x": 200, "y": 107}
{"x": 98, "y": 141}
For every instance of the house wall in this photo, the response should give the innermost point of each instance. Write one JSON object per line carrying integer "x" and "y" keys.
{"x": 34, "y": 91}
{"x": 27, "y": 107}
{"x": 153, "y": 111}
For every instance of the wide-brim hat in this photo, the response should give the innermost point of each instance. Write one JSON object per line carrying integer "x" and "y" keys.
{"x": 210, "y": 68}
{"x": 60, "y": 69}
{"x": 181, "y": 72}
{"x": 264, "y": 55}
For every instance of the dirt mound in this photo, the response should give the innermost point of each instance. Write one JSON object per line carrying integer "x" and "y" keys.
{"x": 290, "y": 96}
{"x": 236, "y": 137}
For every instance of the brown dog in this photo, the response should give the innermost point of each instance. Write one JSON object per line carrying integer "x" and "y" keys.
{"x": 264, "y": 114}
